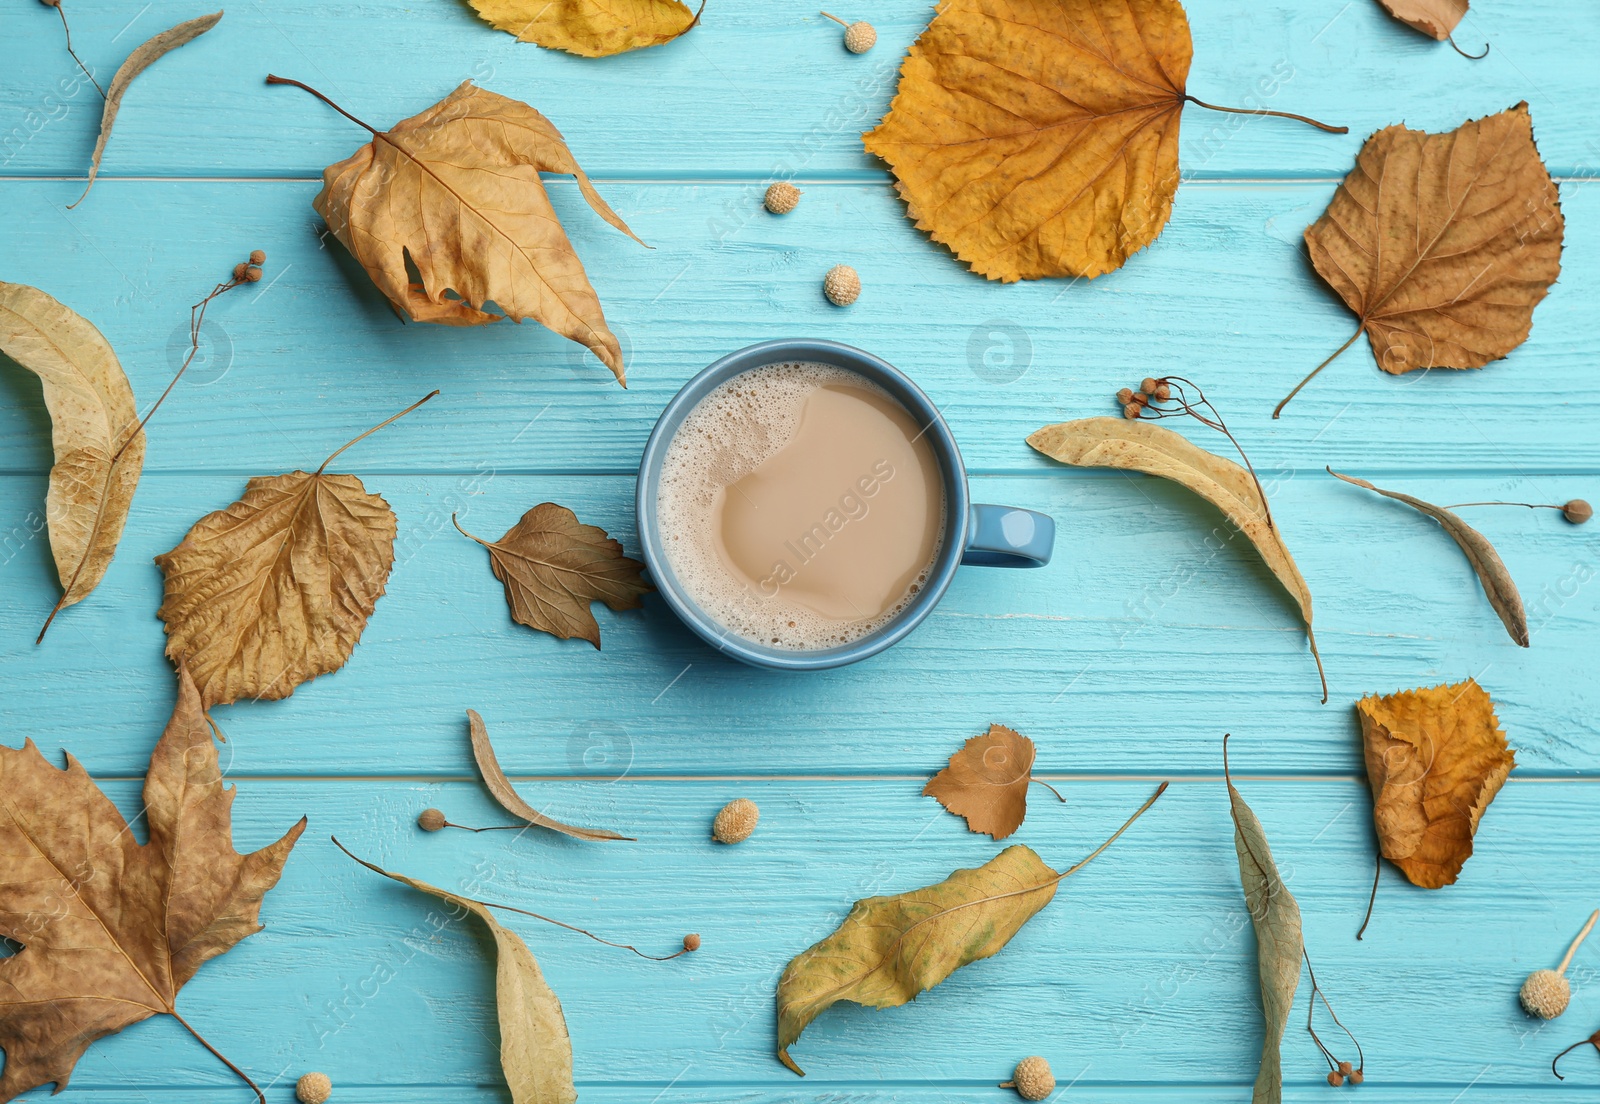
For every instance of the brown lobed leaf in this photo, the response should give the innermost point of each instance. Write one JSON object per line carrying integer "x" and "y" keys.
{"x": 986, "y": 781}
{"x": 110, "y": 928}
{"x": 1491, "y": 570}
{"x": 535, "y": 1049}
{"x": 455, "y": 191}
{"x": 141, "y": 59}
{"x": 1434, "y": 18}
{"x": 1435, "y": 759}
{"x": 1139, "y": 446}
{"x": 499, "y": 787}
{"x": 590, "y": 28}
{"x": 1442, "y": 244}
{"x": 1041, "y": 139}
{"x": 1275, "y": 918}
{"x": 890, "y": 949}
{"x": 277, "y": 588}
{"x": 553, "y": 566}
{"x": 99, "y": 449}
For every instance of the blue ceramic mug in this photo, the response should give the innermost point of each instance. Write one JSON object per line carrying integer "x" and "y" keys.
{"x": 975, "y": 533}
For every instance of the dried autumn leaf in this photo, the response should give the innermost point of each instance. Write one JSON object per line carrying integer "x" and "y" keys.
{"x": 589, "y": 27}
{"x": 94, "y": 431}
{"x": 499, "y": 787}
{"x": 535, "y": 1049}
{"x": 1441, "y": 244}
{"x": 1491, "y": 570}
{"x": 277, "y": 588}
{"x": 1435, "y": 759}
{"x": 1275, "y": 917}
{"x": 110, "y": 928}
{"x": 1042, "y": 139}
{"x": 455, "y": 191}
{"x": 987, "y": 781}
{"x": 138, "y": 61}
{"x": 1434, "y": 18}
{"x": 553, "y": 566}
{"x": 872, "y": 960}
{"x": 1139, "y": 446}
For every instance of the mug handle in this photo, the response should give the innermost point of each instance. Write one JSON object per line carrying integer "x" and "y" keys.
{"x": 1004, "y": 536}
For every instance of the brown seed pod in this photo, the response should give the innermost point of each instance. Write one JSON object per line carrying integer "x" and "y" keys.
{"x": 1577, "y": 511}
{"x": 691, "y": 942}
{"x": 1132, "y": 410}
{"x": 841, "y": 285}
{"x": 430, "y": 820}
{"x": 313, "y": 1088}
{"x": 257, "y": 256}
{"x": 782, "y": 197}
{"x": 1125, "y": 396}
{"x": 736, "y": 821}
{"x": 1032, "y": 1079}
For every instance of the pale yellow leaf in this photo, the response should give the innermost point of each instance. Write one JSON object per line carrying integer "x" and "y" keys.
{"x": 591, "y": 28}
{"x": 499, "y": 787}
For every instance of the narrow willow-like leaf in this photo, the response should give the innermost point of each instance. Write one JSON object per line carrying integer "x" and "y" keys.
{"x": 1491, "y": 570}
{"x": 1279, "y": 946}
{"x": 889, "y": 949}
{"x": 94, "y": 430}
{"x": 1140, "y": 446}
{"x": 499, "y": 787}
{"x": 535, "y": 1050}
{"x": 138, "y": 61}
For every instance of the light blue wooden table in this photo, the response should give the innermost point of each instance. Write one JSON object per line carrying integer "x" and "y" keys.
{"x": 1126, "y": 659}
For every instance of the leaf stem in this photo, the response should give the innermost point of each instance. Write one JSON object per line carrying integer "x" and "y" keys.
{"x": 62, "y": 12}
{"x": 466, "y": 534}
{"x": 374, "y": 429}
{"x": 1377, "y": 870}
{"x": 1264, "y": 111}
{"x": 1278, "y": 410}
{"x": 1049, "y": 787}
{"x": 1470, "y": 57}
{"x": 837, "y": 20}
{"x": 1578, "y": 942}
{"x": 1081, "y": 863}
{"x": 582, "y": 931}
{"x": 223, "y": 1058}
{"x": 1594, "y": 1040}
{"x": 273, "y": 79}
{"x": 1529, "y": 505}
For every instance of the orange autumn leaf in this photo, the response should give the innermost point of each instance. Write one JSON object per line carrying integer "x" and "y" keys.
{"x": 1435, "y": 759}
{"x": 1041, "y": 139}
{"x": 1434, "y": 18}
{"x": 987, "y": 781}
{"x": 1442, "y": 244}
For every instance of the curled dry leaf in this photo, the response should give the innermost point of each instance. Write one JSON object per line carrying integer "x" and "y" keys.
{"x": 1140, "y": 446}
{"x": 535, "y": 1049}
{"x": 1442, "y": 244}
{"x": 987, "y": 781}
{"x": 94, "y": 431}
{"x": 1042, "y": 139}
{"x": 455, "y": 191}
{"x": 1275, "y": 917}
{"x": 1434, "y": 18}
{"x": 138, "y": 61}
{"x": 589, "y": 27}
{"x": 277, "y": 588}
{"x": 499, "y": 787}
{"x": 553, "y": 566}
{"x": 1435, "y": 759}
{"x": 889, "y": 949}
{"x": 110, "y": 928}
{"x": 1485, "y": 561}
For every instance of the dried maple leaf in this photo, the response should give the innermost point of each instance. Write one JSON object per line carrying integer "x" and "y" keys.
{"x": 455, "y": 191}
{"x": 1442, "y": 244}
{"x": 277, "y": 588}
{"x": 986, "y": 782}
{"x": 1435, "y": 759}
{"x": 591, "y": 28}
{"x": 1042, "y": 139}
{"x": 94, "y": 429}
{"x": 553, "y": 566}
{"x": 110, "y": 928}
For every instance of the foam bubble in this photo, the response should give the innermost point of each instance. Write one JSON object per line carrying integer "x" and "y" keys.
{"x": 732, "y": 431}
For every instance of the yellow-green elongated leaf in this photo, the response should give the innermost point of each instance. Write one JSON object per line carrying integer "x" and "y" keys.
{"x": 1275, "y": 915}
{"x": 535, "y": 1050}
{"x": 138, "y": 61}
{"x": 889, "y": 949}
{"x": 499, "y": 787}
{"x": 1133, "y": 445}
{"x": 590, "y": 28}
{"x": 91, "y": 417}
{"x": 1491, "y": 570}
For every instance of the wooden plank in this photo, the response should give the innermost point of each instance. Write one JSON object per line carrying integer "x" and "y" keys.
{"x": 315, "y": 355}
{"x": 1150, "y": 634}
{"x": 1140, "y": 971}
{"x": 756, "y": 90}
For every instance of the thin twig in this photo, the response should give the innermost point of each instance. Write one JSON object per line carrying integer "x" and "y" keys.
{"x": 374, "y": 429}
{"x": 1377, "y": 869}
{"x": 1264, "y": 111}
{"x": 581, "y": 931}
{"x": 1278, "y": 410}
{"x": 62, "y": 12}
{"x": 272, "y": 79}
